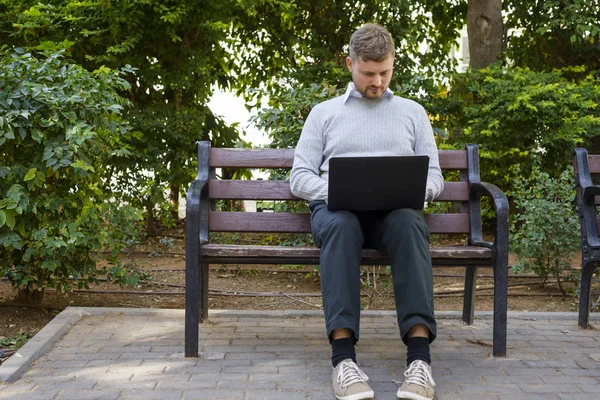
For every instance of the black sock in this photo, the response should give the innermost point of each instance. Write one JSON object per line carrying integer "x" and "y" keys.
{"x": 342, "y": 349}
{"x": 418, "y": 349}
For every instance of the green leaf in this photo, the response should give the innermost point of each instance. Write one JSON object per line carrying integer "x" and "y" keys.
{"x": 116, "y": 108}
{"x": 35, "y": 135}
{"x": 49, "y": 265}
{"x": 10, "y": 219}
{"x": 30, "y": 174}
{"x": 80, "y": 164}
{"x": 2, "y": 218}
{"x": 28, "y": 253}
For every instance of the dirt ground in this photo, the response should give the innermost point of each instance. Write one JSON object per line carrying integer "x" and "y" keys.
{"x": 266, "y": 287}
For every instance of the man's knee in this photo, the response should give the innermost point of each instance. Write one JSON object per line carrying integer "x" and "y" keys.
{"x": 340, "y": 222}
{"x": 342, "y": 225}
{"x": 405, "y": 219}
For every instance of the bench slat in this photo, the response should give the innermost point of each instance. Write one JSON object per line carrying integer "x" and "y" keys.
{"x": 594, "y": 164}
{"x": 280, "y": 190}
{"x": 250, "y": 190}
{"x": 283, "y": 158}
{"x": 300, "y": 223}
{"x": 453, "y": 159}
{"x": 250, "y": 254}
{"x": 251, "y": 158}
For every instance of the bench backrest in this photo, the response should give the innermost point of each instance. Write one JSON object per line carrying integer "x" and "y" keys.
{"x": 456, "y": 222}
{"x": 587, "y": 170}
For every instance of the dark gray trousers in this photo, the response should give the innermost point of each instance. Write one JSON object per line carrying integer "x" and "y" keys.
{"x": 404, "y": 234}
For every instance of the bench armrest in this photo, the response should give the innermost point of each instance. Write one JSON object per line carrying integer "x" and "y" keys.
{"x": 589, "y": 213}
{"x": 198, "y": 203}
{"x": 586, "y": 199}
{"x": 590, "y": 193}
{"x": 477, "y": 189}
{"x": 197, "y": 207}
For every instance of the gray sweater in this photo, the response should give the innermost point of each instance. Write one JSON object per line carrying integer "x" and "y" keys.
{"x": 350, "y": 125}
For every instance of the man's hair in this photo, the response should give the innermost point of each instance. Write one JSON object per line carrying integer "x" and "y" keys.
{"x": 371, "y": 42}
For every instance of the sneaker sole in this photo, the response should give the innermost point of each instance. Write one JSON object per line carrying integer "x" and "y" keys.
{"x": 358, "y": 396}
{"x": 412, "y": 396}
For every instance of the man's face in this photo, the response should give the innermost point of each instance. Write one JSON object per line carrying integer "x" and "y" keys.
{"x": 371, "y": 78}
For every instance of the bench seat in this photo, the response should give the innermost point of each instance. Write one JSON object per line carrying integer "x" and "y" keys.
{"x": 253, "y": 254}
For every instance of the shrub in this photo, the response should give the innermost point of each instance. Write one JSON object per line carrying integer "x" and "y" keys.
{"x": 520, "y": 117}
{"x": 58, "y": 123}
{"x": 544, "y": 232}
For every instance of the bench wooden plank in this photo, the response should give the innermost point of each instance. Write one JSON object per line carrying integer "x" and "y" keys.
{"x": 219, "y": 221}
{"x": 299, "y": 253}
{"x": 280, "y": 190}
{"x": 250, "y": 190}
{"x": 284, "y": 158}
{"x": 594, "y": 164}
{"x": 453, "y": 159}
{"x": 251, "y": 158}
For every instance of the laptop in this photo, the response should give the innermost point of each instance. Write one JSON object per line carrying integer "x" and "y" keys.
{"x": 377, "y": 183}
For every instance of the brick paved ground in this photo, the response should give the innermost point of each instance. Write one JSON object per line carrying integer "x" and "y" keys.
{"x": 138, "y": 354}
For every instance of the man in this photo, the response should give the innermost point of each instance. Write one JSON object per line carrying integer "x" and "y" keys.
{"x": 368, "y": 120}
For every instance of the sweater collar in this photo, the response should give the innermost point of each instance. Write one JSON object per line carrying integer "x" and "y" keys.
{"x": 352, "y": 92}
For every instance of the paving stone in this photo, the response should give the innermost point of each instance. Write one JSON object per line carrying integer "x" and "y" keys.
{"x": 88, "y": 394}
{"x": 138, "y": 354}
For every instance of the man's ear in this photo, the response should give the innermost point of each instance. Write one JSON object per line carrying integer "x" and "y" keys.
{"x": 349, "y": 63}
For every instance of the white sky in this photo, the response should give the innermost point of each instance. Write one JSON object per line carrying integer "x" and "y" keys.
{"x": 232, "y": 109}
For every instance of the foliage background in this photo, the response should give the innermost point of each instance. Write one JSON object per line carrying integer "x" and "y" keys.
{"x": 531, "y": 108}
{"x": 58, "y": 122}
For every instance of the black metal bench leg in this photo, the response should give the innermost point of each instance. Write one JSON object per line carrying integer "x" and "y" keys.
{"x": 192, "y": 273}
{"x": 203, "y": 298}
{"x": 469, "y": 297}
{"x": 500, "y": 306}
{"x": 192, "y": 309}
{"x": 585, "y": 293}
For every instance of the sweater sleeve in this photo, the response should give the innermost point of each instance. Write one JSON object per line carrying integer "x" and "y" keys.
{"x": 425, "y": 144}
{"x": 305, "y": 179}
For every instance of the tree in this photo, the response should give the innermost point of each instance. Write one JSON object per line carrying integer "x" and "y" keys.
{"x": 57, "y": 123}
{"x": 521, "y": 117}
{"x": 179, "y": 50}
{"x": 486, "y": 32}
{"x": 547, "y": 34}
{"x": 319, "y": 71}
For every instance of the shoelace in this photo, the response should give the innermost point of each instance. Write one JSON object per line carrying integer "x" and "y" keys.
{"x": 350, "y": 374}
{"x": 419, "y": 374}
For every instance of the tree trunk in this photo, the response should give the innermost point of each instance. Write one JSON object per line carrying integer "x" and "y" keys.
{"x": 150, "y": 220}
{"x": 486, "y": 32}
{"x": 174, "y": 197}
{"x": 30, "y": 296}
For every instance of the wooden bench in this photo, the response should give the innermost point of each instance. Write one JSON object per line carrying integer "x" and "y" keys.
{"x": 585, "y": 167}
{"x": 464, "y": 221}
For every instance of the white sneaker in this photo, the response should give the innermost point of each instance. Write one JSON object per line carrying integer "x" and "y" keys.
{"x": 350, "y": 383}
{"x": 418, "y": 383}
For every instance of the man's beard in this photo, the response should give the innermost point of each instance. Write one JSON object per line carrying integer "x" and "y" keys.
{"x": 370, "y": 94}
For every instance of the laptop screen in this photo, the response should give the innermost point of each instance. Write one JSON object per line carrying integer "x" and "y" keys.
{"x": 377, "y": 183}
